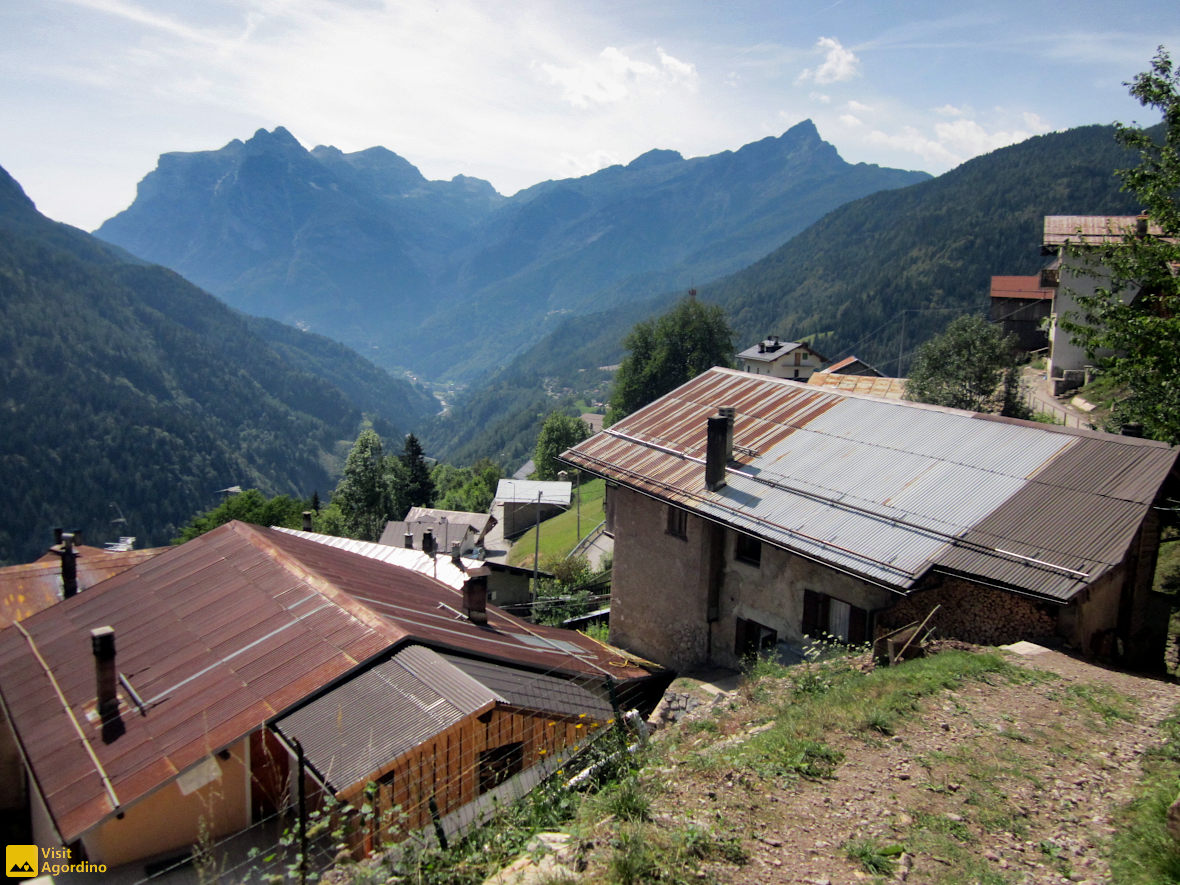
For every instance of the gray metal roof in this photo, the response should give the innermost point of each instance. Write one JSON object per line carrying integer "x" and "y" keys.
{"x": 887, "y": 489}
{"x": 525, "y": 491}
{"x": 534, "y": 691}
{"x": 358, "y": 728}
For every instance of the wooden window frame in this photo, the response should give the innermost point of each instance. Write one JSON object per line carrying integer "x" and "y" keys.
{"x": 676, "y": 522}
{"x": 751, "y": 555}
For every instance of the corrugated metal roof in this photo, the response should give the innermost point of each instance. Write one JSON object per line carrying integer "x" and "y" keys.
{"x": 535, "y": 691}
{"x": 868, "y": 385}
{"x": 26, "y": 589}
{"x": 215, "y": 636}
{"x": 887, "y": 489}
{"x": 357, "y": 728}
{"x": 220, "y": 635}
{"x": 428, "y": 610}
{"x": 525, "y": 491}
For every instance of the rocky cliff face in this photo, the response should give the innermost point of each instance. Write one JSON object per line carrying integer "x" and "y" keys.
{"x": 361, "y": 247}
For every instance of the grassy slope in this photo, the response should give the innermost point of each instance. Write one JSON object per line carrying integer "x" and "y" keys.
{"x": 559, "y": 534}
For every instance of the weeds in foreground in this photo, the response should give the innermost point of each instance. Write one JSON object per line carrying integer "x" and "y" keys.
{"x": 873, "y": 857}
{"x": 1142, "y": 850}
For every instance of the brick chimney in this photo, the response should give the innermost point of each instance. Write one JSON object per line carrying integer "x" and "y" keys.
{"x": 718, "y": 448}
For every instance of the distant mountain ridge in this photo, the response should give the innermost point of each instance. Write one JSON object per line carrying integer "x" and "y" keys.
{"x": 128, "y": 391}
{"x": 875, "y": 277}
{"x": 362, "y": 248}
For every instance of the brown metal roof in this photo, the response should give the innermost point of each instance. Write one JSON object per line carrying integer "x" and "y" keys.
{"x": 26, "y": 589}
{"x": 1028, "y": 288}
{"x": 217, "y": 637}
{"x": 890, "y": 489}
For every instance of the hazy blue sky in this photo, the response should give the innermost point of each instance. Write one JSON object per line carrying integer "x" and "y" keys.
{"x": 92, "y": 91}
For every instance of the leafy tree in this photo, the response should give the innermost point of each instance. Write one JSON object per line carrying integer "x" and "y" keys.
{"x": 558, "y": 433}
{"x": 418, "y": 489}
{"x": 365, "y": 495}
{"x": 1137, "y": 316}
{"x": 249, "y": 506}
{"x": 969, "y": 366}
{"x": 470, "y": 489}
{"x": 668, "y": 351}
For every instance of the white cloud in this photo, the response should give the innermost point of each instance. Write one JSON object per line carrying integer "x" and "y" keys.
{"x": 839, "y": 63}
{"x": 820, "y": 97}
{"x": 613, "y": 76}
{"x": 850, "y": 120}
{"x": 954, "y": 142}
{"x": 949, "y": 110}
{"x": 857, "y": 108}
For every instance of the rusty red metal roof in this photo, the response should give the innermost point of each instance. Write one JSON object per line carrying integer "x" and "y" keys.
{"x": 26, "y": 589}
{"x": 889, "y": 490}
{"x": 217, "y": 637}
{"x": 1024, "y": 287}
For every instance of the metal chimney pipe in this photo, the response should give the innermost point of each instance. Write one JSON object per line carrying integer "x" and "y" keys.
{"x": 69, "y": 565}
{"x": 455, "y": 554}
{"x": 408, "y": 540}
{"x": 102, "y": 643}
{"x": 307, "y": 520}
{"x": 718, "y": 448}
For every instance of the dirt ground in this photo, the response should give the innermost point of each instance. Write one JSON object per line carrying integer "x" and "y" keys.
{"x": 992, "y": 783}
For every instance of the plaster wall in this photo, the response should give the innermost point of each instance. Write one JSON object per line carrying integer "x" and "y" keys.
{"x": 771, "y": 593}
{"x": 657, "y": 610}
{"x": 168, "y": 820}
{"x": 1064, "y": 353}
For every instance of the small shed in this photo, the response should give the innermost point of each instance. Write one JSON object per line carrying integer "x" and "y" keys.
{"x": 526, "y": 502}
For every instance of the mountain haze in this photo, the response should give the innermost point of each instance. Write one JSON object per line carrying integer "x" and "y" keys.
{"x": 127, "y": 390}
{"x": 925, "y": 253}
{"x": 362, "y": 248}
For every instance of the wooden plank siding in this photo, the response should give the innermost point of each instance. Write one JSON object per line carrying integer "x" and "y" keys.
{"x": 447, "y": 768}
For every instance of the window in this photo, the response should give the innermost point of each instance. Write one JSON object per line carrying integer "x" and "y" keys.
{"x": 824, "y": 615}
{"x": 496, "y": 766}
{"x": 748, "y": 550}
{"x": 752, "y": 638}
{"x": 677, "y": 525}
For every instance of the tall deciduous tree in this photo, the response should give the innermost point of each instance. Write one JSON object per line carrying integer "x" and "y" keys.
{"x": 558, "y": 433}
{"x": 1137, "y": 316}
{"x": 969, "y": 366}
{"x": 364, "y": 495}
{"x": 668, "y": 351}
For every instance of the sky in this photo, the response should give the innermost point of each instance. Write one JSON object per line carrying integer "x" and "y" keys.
{"x": 93, "y": 91}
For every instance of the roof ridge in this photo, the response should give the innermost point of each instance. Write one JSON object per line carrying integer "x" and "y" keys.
{"x": 336, "y": 595}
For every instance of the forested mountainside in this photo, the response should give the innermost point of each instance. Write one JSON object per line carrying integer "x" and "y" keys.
{"x": 909, "y": 260}
{"x": 128, "y": 391}
{"x": 450, "y": 277}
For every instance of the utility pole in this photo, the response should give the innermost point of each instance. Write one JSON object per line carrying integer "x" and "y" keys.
{"x": 537, "y": 545}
